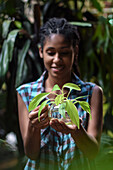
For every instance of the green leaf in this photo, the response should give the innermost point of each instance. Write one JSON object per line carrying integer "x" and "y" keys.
{"x": 36, "y": 100}
{"x": 21, "y": 61}
{"x": 62, "y": 97}
{"x": 7, "y": 52}
{"x": 72, "y": 86}
{"x": 18, "y": 24}
{"x": 97, "y": 5}
{"x": 56, "y": 87}
{"x": 4, "y": 60}
{"x": 62, "y": 109}
{"x": 72, "y": 112}
{"x": 85, "y": 106}
{"x": 57, "y": 100}
{"x": 82, "y": 24}
{"x": 43, "y": 104}
{"x": 5, "y": 27}
{"x": 10, "y": 41}
{"x": 79, "y": 97}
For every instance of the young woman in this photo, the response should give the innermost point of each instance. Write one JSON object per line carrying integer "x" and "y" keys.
{"x": 53, "y": 144}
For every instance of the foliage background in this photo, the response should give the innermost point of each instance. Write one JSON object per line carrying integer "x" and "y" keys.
{"x": 20, "y": 21}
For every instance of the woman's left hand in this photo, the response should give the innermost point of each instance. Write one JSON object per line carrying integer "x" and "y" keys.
{"x": 60, "y": 126}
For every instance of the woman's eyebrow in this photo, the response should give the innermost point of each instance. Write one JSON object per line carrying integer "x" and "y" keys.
{"x": 63, "y": 47}
{"x": 52, "y": 48}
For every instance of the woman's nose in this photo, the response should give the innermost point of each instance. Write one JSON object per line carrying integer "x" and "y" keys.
{"x": 57, "y": 57}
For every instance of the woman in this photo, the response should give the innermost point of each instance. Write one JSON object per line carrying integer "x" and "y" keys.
{"x": 53, "y": 144}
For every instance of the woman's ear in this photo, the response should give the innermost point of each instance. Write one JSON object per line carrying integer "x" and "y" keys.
{"x": 41, "y": 52}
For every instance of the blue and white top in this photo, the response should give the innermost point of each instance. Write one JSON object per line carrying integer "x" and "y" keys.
{"x": 58, "y": 151}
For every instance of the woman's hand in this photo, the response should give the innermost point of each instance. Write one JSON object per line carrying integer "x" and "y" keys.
{"x": 41, "y": 123}
{"x": 60, "y": 126}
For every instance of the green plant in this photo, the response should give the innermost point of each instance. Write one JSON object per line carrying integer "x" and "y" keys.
{"x": 19, "y": 62}
{"x": 60, "y": 99}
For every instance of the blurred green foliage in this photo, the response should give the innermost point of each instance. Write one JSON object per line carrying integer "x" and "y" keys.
{"x": 20, "y": 21}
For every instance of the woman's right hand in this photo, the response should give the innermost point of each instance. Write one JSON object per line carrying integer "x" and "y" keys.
{"x": 41, "y": 123}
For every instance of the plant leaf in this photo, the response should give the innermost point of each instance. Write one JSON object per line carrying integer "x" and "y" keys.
{"x": 43, "y": 104}
{"x": 56, "y": 87}
{"x": 4, "y": 61}
{"x": 82, "y": 24}
{"x": 5, "y": 27}
{"x": 80, "y": 97}
{"x": 10, "y": 41}
{"x": 72, "y": 112}
{"x": 62, "y": 109}
{"x": 18, "y": 24}
{"x": 21, "y": 61}
{"x": 85, "y": 106}
{"x": 72, "y": 86}
{"x": 59, "y": 98}
{"x": 97, "y": 5}
{"x": 36, "y": 100}
{"x": 7, "y": 52}
{"x": 62, "y": 97}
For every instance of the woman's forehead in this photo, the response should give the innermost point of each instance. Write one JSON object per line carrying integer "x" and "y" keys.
{"x": 55, "y": 39}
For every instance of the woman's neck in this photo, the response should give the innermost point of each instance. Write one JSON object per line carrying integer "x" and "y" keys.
{"x": 49, "y": 86}
{"x": 49, "y": 83}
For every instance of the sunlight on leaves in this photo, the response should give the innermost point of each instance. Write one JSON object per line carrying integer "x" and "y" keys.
{"x": 63, "y": 102}
{"x": 62, "y": 109}
{"x": 56, "y": 87}
{"x": 43, "y": 104}
{"x": 85, "y": 106}
{"x": 72, "y": 112}
{"x": 36, "y": 100}
{"x": 71, "y": 86}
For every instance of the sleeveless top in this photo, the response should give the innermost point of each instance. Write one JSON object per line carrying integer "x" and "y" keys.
{"x": 58, "y": 151}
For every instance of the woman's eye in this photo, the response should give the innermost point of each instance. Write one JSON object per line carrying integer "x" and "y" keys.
{"x": 51, "y": 53}
{"x": 64, "y": 53}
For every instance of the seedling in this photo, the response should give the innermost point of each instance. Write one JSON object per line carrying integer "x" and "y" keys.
{"x": 65, "y": 104}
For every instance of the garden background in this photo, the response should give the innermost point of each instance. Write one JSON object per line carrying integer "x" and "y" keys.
{"x": 20, "y": 21}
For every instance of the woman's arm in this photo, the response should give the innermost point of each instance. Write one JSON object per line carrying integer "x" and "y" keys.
{"x": 87, "y": 141}
{"x": 30, "y": 128}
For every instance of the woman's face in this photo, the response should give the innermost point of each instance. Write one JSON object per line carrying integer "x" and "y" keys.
{"x": 58, "y": 57}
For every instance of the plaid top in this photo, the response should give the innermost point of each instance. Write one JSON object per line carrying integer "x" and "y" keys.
{"x": 58, "y": 151}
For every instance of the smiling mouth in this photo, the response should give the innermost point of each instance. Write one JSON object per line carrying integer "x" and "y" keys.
{"x": 56, "y": 69}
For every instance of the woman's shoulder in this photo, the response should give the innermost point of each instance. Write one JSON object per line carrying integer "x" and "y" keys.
{"x": 97, "y": 90}
{"x": 87, "y": 87}
{"x": 27, "y": 85}
{"x": 83, "y": 84}
{"x": 31, "y": 86}
{"x": 91, "y": 88}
